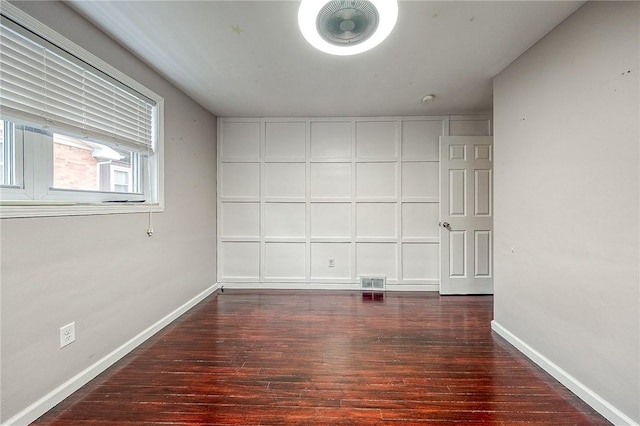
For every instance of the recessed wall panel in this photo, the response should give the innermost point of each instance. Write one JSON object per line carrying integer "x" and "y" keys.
{"x": 469, "y": 128}
{"x": 284, "y": 220}
{"x": 376, "y": 180}
{"x": 420, "y": 261}
{"x": 376, "y": 220}
{"x": 457, "y": 253}
{"x": 482, "y": 194}
{"x": 482, "y": 249}
{"x": 240, "y": 180}
{"x": 285, "y": 260}
{"x": 330, "y": 220}
{"x": 330, "y": 180}
{"x": 330, "y": 140}
{"x": 376, "y": 259}
{"x": 285, "y": 140}
{"x": 331, "y": 260}
{"x": 240, "y": 140}
{"x": 285, "y": 180}
{"x": 420, "y": 220}
{"x": 376, "y": 139}
{"x": 240, "y": 260}
{"x": 420, "y": 179}
{"x": 421, "y": 139}
{"x": 457, "y": 192}
{"x": 241, "y": 220}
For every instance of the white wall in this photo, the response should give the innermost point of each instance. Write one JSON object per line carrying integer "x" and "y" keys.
{"x": 364, "y": 192}
{"x": 103, "y": 272}
{"x": 566, "y": 199}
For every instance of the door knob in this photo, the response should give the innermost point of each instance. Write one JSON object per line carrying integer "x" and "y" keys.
{"x": 446, "y": 225}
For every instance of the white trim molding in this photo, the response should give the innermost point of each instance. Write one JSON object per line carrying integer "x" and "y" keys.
{"x": 316, "y": 285}
{"x": 50, "y": 400}
{"x": 598, "y": 403}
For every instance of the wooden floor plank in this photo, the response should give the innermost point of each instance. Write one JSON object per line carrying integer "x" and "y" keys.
{"x": 323, "y": 357}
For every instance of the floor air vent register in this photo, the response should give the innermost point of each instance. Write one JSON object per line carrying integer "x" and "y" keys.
{"x": 373, "y": 283}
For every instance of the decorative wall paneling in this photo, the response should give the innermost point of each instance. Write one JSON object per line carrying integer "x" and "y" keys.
{"x": 319, "y": 202}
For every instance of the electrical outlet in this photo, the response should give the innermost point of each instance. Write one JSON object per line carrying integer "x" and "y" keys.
{"x": 67, "y": 334}
{"x": 332, "y": 262}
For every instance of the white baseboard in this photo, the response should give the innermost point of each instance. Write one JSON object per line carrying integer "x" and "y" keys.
{"x": 50, "y": 400}
{"x": 323, "y": 286}
{"x": 602, "y": 406}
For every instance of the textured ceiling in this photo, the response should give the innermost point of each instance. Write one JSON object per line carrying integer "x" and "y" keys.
{"x": 248, "y": 58}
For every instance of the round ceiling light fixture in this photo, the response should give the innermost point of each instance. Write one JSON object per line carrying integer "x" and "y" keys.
{"x": 346, "y": 27}
{"x": 428, "y": 98}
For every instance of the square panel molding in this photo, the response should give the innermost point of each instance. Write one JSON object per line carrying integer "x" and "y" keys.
{"x": 377, "y": 140}
{"x": 377, "y": 180}
{"x": 284, "y": 220}
{"x": 420, "y": 220}
{"x": 324, "y": 201}
{"x": 420, "y": 261}
{"x": 285, "y": 141}
{"x": 331, "y": 220}
{"x": 240, "y": 180}
{"x": 239, "y": 140}
{"x": 331, "y": 140}
{"x": 379, "y": 259}
{"x": 240, "y": 260}
{"x": 240, "y": 220}
{"x": 376, "y": 220}
{"x": 285, "y": 261}
{"x": 330, "y": 180}
{"x": 285, "y": 180}
{"x": 331, "y": 261}
{"x": 421, "y": 140}
{"x": 421, "y": 180}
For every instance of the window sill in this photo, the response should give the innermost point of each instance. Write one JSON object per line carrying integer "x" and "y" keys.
{"x": 24, "y": 209}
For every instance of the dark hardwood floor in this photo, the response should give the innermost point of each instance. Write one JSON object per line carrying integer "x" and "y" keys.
{"x": 311, "y": 357}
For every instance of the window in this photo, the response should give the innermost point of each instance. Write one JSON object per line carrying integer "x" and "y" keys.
{"x": 3, "y": 146}
{"x": 89, "y": 166}
{"x": 120, "y": 179}
{"x": 76, "y": 135}
{"x": 7, "y": 154}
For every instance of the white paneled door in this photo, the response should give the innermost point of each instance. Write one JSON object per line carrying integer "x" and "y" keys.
{"x": 466, "y": 217}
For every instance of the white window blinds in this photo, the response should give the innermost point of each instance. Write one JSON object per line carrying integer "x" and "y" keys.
{"x": 42, "y": 84}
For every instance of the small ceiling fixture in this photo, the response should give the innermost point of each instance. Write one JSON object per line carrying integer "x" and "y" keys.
{"x": 346, "y": 27}
{"x": 428, "y": 98}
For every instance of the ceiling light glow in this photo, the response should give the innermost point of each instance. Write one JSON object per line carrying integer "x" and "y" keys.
{"x": 344, "y": 27}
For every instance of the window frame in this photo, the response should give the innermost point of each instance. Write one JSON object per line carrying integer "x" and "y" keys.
{"x": 12, "y": 156}
{"x": 60, "y": 202}
{"x": 119, "y": 169}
